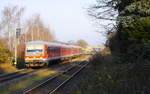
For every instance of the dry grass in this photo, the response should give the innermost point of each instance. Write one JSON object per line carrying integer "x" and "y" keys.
{"x": 82, "y": 58}
{"x": 78, "y": 59}
{"x": 6, "y": 68}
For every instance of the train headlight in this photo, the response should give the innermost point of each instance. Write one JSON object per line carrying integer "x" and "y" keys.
{"x": 26, "y": 58}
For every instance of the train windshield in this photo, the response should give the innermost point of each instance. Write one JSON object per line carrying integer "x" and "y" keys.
{"x": 34, "y": 50}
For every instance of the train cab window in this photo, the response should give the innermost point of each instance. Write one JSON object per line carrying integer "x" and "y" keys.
{"x": 34, "y": 52}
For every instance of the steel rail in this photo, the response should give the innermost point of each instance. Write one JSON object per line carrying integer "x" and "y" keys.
{"x": 7, "y": 74}
{"x": 67, "y": 80}
{"x": 51, "y": 78}
{"x": 15, "y": 75}
{"x": 54, "y": 77}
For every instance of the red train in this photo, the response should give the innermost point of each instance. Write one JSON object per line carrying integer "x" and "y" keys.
{"x": 40, "y": 53}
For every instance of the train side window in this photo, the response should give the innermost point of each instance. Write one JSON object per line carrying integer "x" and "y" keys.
{"x": 56, "y": 50}
{"x": 53, "y": 50}
{"x": 59, "y": 51}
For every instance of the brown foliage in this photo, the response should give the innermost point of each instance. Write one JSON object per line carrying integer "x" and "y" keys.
{"x": 82, "y": 43}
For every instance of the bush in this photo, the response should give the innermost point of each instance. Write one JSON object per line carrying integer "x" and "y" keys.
{"x": 4, "y": 54}
{"x": 109, "y": 75}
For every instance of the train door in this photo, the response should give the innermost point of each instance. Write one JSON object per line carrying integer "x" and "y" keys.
{"x": 48, "y": 52}
{"x": 51, "y": 52}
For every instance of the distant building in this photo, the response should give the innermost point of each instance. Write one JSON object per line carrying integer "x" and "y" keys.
{"x": 98, "y": 48}
{"x": 95, "y": 48}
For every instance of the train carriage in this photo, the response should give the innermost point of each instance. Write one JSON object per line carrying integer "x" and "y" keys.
{"x": 40, "y": 53}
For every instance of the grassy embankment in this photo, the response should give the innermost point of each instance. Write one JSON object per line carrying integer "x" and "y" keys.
{"x": 7, "y": 68}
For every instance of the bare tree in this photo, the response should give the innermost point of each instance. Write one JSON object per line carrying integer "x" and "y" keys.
{"x": 10, "y": 20}
{"x": 34, "y": 29}
{"x": 104, "y": 14}
{"x": 38, "y": 31}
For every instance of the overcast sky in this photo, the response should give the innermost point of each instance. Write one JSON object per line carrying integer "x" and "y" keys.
{"x": 68, "y": 18}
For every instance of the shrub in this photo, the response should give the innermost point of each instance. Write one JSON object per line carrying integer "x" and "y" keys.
{"x": 4, "y": 53}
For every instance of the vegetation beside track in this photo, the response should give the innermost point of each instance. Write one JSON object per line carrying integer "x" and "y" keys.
{"x": 5, "y": 55}
{"x": 7, "y": 68}
{"x": 110, "y": 75}
{"x": 126, "y": 69}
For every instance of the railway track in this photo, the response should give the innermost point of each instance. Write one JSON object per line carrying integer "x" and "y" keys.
{"x": 51, "y": 85}
{"x": 11, "y": 76}
{"x": 6, "y": 74}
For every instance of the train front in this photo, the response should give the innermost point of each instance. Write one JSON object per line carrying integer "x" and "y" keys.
{"x": 35, "y": 55}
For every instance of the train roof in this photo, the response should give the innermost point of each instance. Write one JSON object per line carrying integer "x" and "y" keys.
{"x": 51, "y": 44}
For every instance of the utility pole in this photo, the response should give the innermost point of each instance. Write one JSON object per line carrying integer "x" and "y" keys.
{"x": 18, "y": 31}
{"x": 17, "y": 34}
